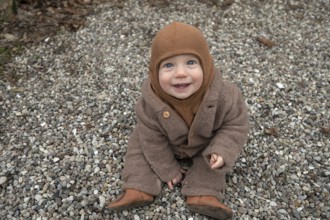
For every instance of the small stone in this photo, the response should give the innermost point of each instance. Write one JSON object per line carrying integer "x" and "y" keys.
{"x": 58, "y": 201}
{"x": 272, "y": 203}
{"x": 283, "y": 211}
{"x": 280, "y": 85}
{"x": 23, "y": 172}
{"x": 18, "y": 114}
{"x": 306, "y": 188}
{"x": 125, "y": 213}
{"x": 25, "y": 112}
{"x": 84, "y": 203}
{"x": 281, "y": 169}
{"x": 102, "y": 201}
{"x": 94, "y": 141}
{"x": 234, "y": 179}
{"x": 294, "y": 177}
{"x": 97, "y": 169}
{"x": 242, "y": 210}
{"x": 38, "y": 197}
{"x": 88, "y": 168}
{"x": 296, "y": 214}
{"x": 3, "y": 179}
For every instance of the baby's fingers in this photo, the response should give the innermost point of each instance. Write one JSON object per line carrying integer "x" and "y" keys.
{"x": 213, "y": 159}
{"x": 177, "y": 179}
{"x": 218, "y": 163}
{"x": 170, "y": 184}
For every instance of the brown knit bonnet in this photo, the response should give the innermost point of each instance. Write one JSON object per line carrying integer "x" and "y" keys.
{"x": 175, "y": 39}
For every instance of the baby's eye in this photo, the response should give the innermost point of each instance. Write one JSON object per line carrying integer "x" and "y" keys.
{"x": 168, "y": 65}
{"x": 191, "y": 62}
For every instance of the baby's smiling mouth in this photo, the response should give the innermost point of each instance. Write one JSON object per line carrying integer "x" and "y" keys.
{"x": 181, "y": 85}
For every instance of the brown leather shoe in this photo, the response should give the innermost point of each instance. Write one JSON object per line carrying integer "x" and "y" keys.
{"x": 210, "y": 206}
{"x": 131, "y": 198}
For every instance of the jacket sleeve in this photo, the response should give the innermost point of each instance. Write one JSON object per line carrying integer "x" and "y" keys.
{"x": 232, "y": 133}
{"x": 156, "y": 148}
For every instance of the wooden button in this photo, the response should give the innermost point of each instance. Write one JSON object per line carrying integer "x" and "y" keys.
{"x": 166, "y": 114}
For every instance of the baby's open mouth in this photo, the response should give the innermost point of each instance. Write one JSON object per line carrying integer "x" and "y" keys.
{"x": 181, "y": 85}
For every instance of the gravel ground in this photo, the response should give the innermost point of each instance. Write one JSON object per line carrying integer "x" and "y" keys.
{"x": 64, "y": 125}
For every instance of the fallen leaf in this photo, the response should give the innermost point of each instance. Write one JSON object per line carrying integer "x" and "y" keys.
{"x": 89, "y": 126}
{"x": 272, "y": 131}
{"x": 296, "y": 6}
{"x": 261, "y": 100}
{"x": 227, "y": 3}
{"x": 325, "y": 130}
{"x": 10, "y": 37}
{"x": 70, "y": 11}
{"x": 302, "y": 84}
{"x": 265, "y": 41}
{"x": 85, "y": 2}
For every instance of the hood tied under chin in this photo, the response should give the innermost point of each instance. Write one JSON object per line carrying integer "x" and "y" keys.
{"x": 176, "y": 39}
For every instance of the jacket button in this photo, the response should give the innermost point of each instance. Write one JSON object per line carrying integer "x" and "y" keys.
{"x": 166, "y": 114}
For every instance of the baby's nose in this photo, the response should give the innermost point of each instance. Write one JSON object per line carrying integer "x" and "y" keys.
{"x": 180, "y": 72}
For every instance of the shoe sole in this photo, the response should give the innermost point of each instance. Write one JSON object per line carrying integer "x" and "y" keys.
{"x": 130, "y": 206}
{"x": 213, "y": 212}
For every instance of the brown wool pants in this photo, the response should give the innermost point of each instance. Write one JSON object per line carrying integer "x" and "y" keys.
{"x": 200, "y": 178}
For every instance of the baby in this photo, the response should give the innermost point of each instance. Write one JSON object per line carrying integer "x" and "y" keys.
{"x": 186, "y": 112}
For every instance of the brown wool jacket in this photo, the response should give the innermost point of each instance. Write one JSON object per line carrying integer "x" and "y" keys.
{"x": 220, "y": 126}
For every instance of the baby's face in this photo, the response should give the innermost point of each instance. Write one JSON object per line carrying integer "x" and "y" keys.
{"x": 180, "y": 76}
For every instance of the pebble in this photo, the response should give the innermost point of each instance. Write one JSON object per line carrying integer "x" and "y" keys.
{"x": 272, "y": 203}
{"x": 65, "y": 123}
{"x": 38, "y": 197}
{"x": 125, "y": 213}
{"x": 102, "y": 201}
{"x": 281, "y": 169}
{"x": 3, "y": 179}
{"x": 280, "y": 85}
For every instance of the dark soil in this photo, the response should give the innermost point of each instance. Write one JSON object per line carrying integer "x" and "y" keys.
{"x": 35, "y": 20}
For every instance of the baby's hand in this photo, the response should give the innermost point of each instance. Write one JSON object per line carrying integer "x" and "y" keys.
{"x": 176, "y": 179}
{"x": 216, "y": 161}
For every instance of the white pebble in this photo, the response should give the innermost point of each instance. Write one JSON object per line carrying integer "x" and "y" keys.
{"x": 102, "y": 201}
{"x": 38, "y": 197}
{"x": 97, "y": 169}
{"x": 272, "y": 203}
{"x": 3, "y": 179}
{"x": 280, "y": 85}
